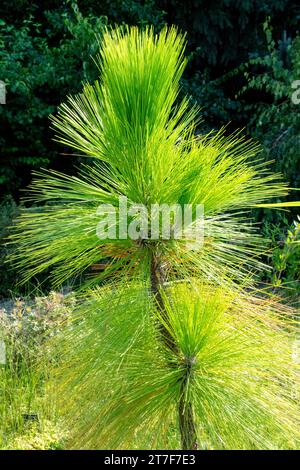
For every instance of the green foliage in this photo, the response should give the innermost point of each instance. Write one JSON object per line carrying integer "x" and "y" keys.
{"x": 210, "y": 170}
{"x": 131, "y": 12}
{"x": 8, "y": 211}
{"x": 217, "y": 108}
{"x": 38, "y": 75}
{"x": 274, "y": 120}
{"x": 119, "y": 386}
{"x": 223, "y": 32}
{"x": 200, "y": 347}
{"x": 10, "y": 277}
{"x": 285, "y": 256}
{"x": 25, "y": 327}
{"x": 47, "y": 436}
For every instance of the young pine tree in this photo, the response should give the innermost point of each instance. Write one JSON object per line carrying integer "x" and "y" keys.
{"x": 172, "y": 347}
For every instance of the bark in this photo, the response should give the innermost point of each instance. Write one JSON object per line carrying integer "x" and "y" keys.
{"x": 185, "y": 412}
{"x": 186, "y": 422}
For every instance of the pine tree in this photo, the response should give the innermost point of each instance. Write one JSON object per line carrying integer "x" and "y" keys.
{"x": 172, "y": 346}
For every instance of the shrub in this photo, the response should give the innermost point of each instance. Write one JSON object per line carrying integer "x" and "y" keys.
{"x": 8, "y": 276}
{"x": 285, "y": 257}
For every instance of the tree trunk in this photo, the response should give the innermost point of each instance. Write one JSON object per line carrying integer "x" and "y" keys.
{"x": 186, "y": 423}
{"x": 185, "y": 412}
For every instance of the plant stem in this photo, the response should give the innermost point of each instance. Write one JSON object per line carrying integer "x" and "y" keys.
{"x": 186, "y": 421}
{"x": 158, "y": 279}
{"x": 185, "y": 412}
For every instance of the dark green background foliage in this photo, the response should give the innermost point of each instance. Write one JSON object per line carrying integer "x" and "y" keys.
{"x": 45, "y": 55}
{"x": 244, "y": 55}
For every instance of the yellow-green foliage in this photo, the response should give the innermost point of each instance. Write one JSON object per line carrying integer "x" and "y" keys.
{"x": 144, "y": 147}
{"x": 35, "y": 437}
{"x": 119, "y": 386}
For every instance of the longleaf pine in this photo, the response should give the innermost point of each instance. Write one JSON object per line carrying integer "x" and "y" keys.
{"x": 173, "y": 346}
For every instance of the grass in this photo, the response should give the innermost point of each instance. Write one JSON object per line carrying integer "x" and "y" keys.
{"x": 25, "y": 413}
{"x": 28, "y": 415}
